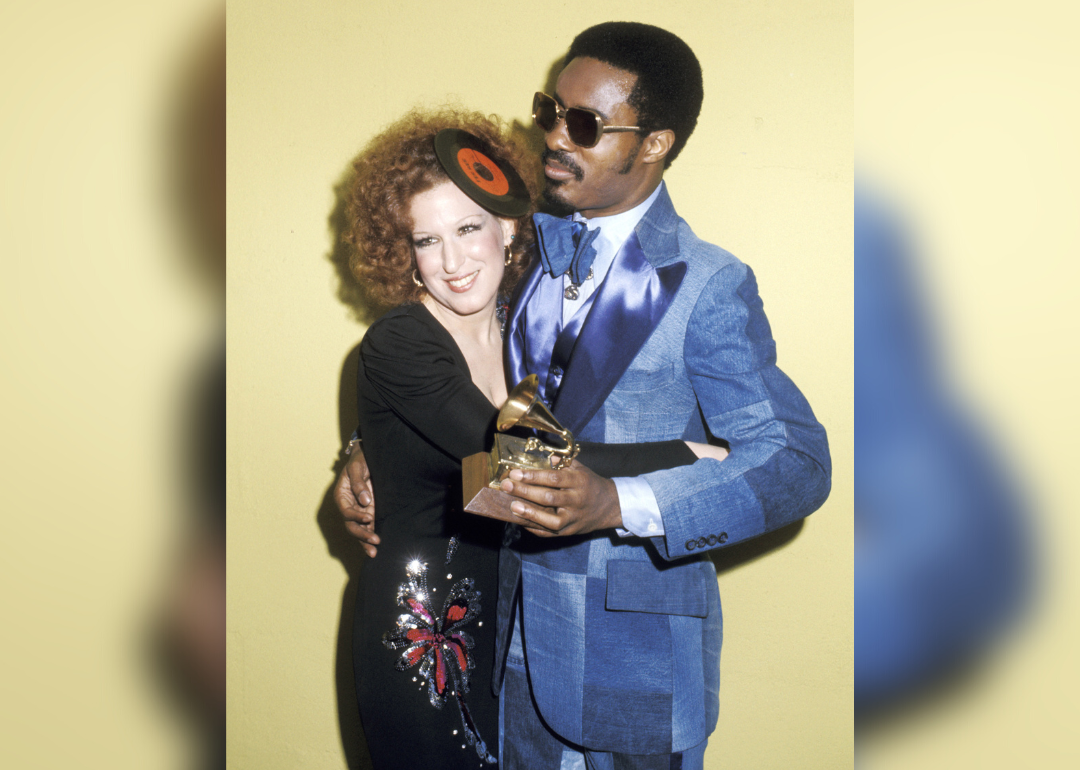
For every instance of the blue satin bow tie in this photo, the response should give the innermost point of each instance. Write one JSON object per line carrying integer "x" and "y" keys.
{"x": 565, "y": 245}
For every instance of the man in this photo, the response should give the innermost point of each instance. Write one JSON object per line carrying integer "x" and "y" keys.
{"x": 609, "y": 639}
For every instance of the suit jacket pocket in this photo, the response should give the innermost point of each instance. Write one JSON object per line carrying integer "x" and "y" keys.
{"x": 646, "y": 380}
{"x": 638, "y": 586}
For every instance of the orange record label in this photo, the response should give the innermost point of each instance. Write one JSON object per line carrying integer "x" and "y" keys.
{"x": 482, "y": 171}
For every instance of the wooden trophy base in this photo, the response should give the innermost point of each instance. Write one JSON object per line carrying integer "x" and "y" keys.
{"x": 477, "y": 496}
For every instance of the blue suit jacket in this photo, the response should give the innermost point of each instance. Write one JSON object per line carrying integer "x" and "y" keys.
{"x": 622, "y": 636}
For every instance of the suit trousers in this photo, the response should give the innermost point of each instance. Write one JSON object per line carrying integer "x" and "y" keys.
{"x": 527, "y": 743}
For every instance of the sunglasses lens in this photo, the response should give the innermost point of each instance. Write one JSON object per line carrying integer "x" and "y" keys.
{"x": 583, "y": 127}
{"x": 544, "y": 112}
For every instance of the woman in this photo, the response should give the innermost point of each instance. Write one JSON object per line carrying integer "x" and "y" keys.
{"x": 431, "y": 378}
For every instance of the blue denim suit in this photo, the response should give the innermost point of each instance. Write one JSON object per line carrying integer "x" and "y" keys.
{"x": 622, "y": 636}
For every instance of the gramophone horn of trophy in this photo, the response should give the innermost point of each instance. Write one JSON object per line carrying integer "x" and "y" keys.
{"x": 482, "y": 473}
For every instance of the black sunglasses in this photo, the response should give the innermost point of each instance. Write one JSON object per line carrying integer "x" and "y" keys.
{"x": 584, "y": 127}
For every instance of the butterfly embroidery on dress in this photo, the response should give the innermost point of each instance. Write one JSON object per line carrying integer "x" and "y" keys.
{"x": 438, "y": 643}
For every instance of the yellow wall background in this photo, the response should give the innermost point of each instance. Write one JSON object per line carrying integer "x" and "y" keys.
{"x": 972, "y": 145}
{"x": 105, "y": 324}
{"x": 768, "y": 175}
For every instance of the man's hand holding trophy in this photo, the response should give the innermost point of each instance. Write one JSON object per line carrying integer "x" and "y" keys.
{"x": 482, "y": 473}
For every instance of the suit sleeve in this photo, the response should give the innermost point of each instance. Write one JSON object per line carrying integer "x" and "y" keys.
{"x": 779, "y": 469}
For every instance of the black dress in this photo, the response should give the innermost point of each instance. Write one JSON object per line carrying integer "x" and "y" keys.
{"x": 423, "y": 636}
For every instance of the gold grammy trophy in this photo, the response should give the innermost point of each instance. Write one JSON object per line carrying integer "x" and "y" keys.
{"x": 482, "y": 473}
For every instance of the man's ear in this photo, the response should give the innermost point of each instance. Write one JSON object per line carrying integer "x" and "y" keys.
{"x": 657, "y": 145}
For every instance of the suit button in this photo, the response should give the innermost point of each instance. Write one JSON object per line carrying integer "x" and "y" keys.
{"x": 702, "y": 542}
{"x": 690, "y": 545}
{"x": 723, "y": 537}
{"x": 557, "y": 371}
{"x": 712, "y": 539}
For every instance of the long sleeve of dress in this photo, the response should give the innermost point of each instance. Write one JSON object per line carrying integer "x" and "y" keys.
{"x": 417, "y": 371}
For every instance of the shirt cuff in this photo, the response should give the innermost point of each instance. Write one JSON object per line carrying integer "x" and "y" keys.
{"x": 640, "y": 511}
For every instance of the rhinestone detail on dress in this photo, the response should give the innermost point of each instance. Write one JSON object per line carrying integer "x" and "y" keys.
{"x": 438, "y": 642}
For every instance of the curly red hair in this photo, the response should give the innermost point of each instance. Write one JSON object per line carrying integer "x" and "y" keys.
{"x": 398, "y": 164}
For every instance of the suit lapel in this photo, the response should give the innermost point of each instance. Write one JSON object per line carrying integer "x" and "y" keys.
{"x": 514, "y": 338}
{"x": 639, "y": 288}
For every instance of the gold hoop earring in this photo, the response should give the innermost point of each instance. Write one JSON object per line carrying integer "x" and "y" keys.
{"x": 416, "y": 278}
{"x": 509, "y": 256}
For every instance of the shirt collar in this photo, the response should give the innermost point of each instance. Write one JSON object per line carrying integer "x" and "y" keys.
{"x": 617, "y": 227}
{"x": 614, "y": 230}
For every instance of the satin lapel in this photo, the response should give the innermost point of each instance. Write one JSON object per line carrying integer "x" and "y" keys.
{"x": 514, "y": 337}
{"x": 629, "y": 304}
